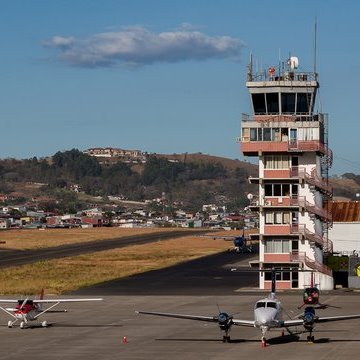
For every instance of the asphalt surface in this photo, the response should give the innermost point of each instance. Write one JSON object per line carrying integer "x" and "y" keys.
{"x": 97, "y": 331}
{"x": 209, "y": 275}
{"x": 112, "y": 330}
{"x": 21, "y": 257}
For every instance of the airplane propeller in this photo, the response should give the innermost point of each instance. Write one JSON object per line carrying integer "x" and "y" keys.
{"x": 224, "y": 320}
{"x": 23, "y": 303}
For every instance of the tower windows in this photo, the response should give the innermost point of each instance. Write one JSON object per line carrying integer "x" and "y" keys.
{"x": 272, "y": 100}
{"x": 281, "y": 190}
{"x": 290, "y": 103}
{"x": 276, "y": 162}
{"x": 277, "y": 217}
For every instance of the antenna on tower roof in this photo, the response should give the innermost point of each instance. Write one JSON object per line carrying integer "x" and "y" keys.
{"x": 315, "y": 36}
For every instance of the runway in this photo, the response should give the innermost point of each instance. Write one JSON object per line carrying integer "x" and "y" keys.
{"x": 201, "y": 287}
{"x": 21, "y": 257}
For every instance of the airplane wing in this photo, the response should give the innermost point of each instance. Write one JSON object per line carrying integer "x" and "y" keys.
{"x": 239, "y": 322}
{"x": 180, "y": 316}
{"x": 215, "y": 319}
{"x": 38, "y": 301}
{"x": 336, "y": 318}
{"x": 321, "y": 319}
{"x": 59, "y": 301}
{"x": 224, "y": 237}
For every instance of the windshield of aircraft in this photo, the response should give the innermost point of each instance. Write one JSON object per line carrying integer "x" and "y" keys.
{"x": 260, "y": 304}
{"x": 263, "y": 304}
{"x": 271, "y": 305}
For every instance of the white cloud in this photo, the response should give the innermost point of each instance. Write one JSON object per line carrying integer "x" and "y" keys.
{"x": 138, "y": 46}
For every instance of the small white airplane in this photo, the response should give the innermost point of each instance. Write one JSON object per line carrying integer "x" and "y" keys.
{"x": 267, "y": 316}
{"x": 31, "y": 309}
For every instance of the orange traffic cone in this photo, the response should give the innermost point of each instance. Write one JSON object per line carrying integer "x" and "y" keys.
{"x": 124, "y": 340}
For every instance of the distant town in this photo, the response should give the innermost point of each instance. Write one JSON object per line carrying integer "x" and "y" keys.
{"x": 117, "y": 210}
{"x": 22, "y": 217}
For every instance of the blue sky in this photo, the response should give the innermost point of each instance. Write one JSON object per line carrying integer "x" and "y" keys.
{"x": 165, "y": 76}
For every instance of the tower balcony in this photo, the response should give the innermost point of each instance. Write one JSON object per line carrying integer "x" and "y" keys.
{"x": 312, "y": 264}
{"x": 301, "y": 230}
{"x": 314, "y": 209}
{"x": 311, "y": 179}
{"x": 296, "y": 173}
{"x": 254, "y": 148}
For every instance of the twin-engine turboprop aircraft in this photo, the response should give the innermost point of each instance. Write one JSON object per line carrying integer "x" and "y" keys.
{"x": 240, "y": 242}
{"x": 28, "y": 310}
{"x": 267, "y": 316}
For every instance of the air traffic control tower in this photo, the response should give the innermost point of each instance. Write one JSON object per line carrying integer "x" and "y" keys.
{"x": 291, "y": 141}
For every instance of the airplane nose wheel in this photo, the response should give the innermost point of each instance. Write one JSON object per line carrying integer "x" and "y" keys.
{"x": 263, "y": 342}
{"x": 44, "y": 324}
{"x": 22, "y": 324}
{"x": 10, "y": 324}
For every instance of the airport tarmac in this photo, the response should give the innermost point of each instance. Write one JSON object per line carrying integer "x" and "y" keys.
{"x": 97, "y": 330}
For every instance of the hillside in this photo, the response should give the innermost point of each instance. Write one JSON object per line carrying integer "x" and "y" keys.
{"x": 189, "y": 180}
{"x": 71, "y": 181}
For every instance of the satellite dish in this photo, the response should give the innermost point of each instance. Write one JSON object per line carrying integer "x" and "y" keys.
{"x": 293, "y": 62}
{"x": 250, "y": 196}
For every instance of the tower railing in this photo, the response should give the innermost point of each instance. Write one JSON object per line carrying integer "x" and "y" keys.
{"x": 311, "y": 179}
{"x": 301, "y": 229}
{"x": 281, "y": 75}
{"x": 314, "y": 209}
{"x": 312, "y": 264}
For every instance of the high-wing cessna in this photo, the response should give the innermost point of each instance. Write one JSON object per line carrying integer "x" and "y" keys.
{"x": 31, "y": 309}
{"x": 239, "y": 241}
{"x": 267, "y": 315}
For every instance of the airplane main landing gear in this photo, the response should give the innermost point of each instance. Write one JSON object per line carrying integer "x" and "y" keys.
{"x": 10, "y": 324}
{"x": 226, "y": 338}
{"x": 44, "y": 324}
{"x": 22, "y": 325}
{"x": 310, "y": 339}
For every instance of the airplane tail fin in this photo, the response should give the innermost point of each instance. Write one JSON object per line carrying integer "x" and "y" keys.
{"x": 41, "y": 297}
{"x": 273, "y": 283}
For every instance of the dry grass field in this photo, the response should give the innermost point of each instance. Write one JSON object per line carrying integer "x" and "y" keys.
{"x": 63, "y": 275}
{"x": 36, "y": 239}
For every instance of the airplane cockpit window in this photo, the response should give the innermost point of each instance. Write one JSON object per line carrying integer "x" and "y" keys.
{"x": 271, "y": 305}
{"x": 260, "y": 305}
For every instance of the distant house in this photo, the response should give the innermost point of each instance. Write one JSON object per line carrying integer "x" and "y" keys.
{"x": 4, "y": 223}
{"x": 345, "y": 233}
{"x": 94, "y": 221}
{"x": 109, "y": 152}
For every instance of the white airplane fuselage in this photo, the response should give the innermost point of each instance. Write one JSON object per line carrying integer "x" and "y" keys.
{"x": 27, "y": 316}
{"x": 267, "y": 314}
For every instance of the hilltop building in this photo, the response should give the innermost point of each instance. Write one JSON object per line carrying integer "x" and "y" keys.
{"x": 109, "y": 152}
{"x": 291, "y": 141}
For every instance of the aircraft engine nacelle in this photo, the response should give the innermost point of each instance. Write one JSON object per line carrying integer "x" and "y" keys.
{"x": 311, "y": 296}
{"x": 309, "y": 318}
{"x": 224, "y": 321}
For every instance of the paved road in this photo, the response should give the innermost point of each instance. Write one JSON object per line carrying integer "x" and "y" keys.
{"x": 21, "y": 257}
